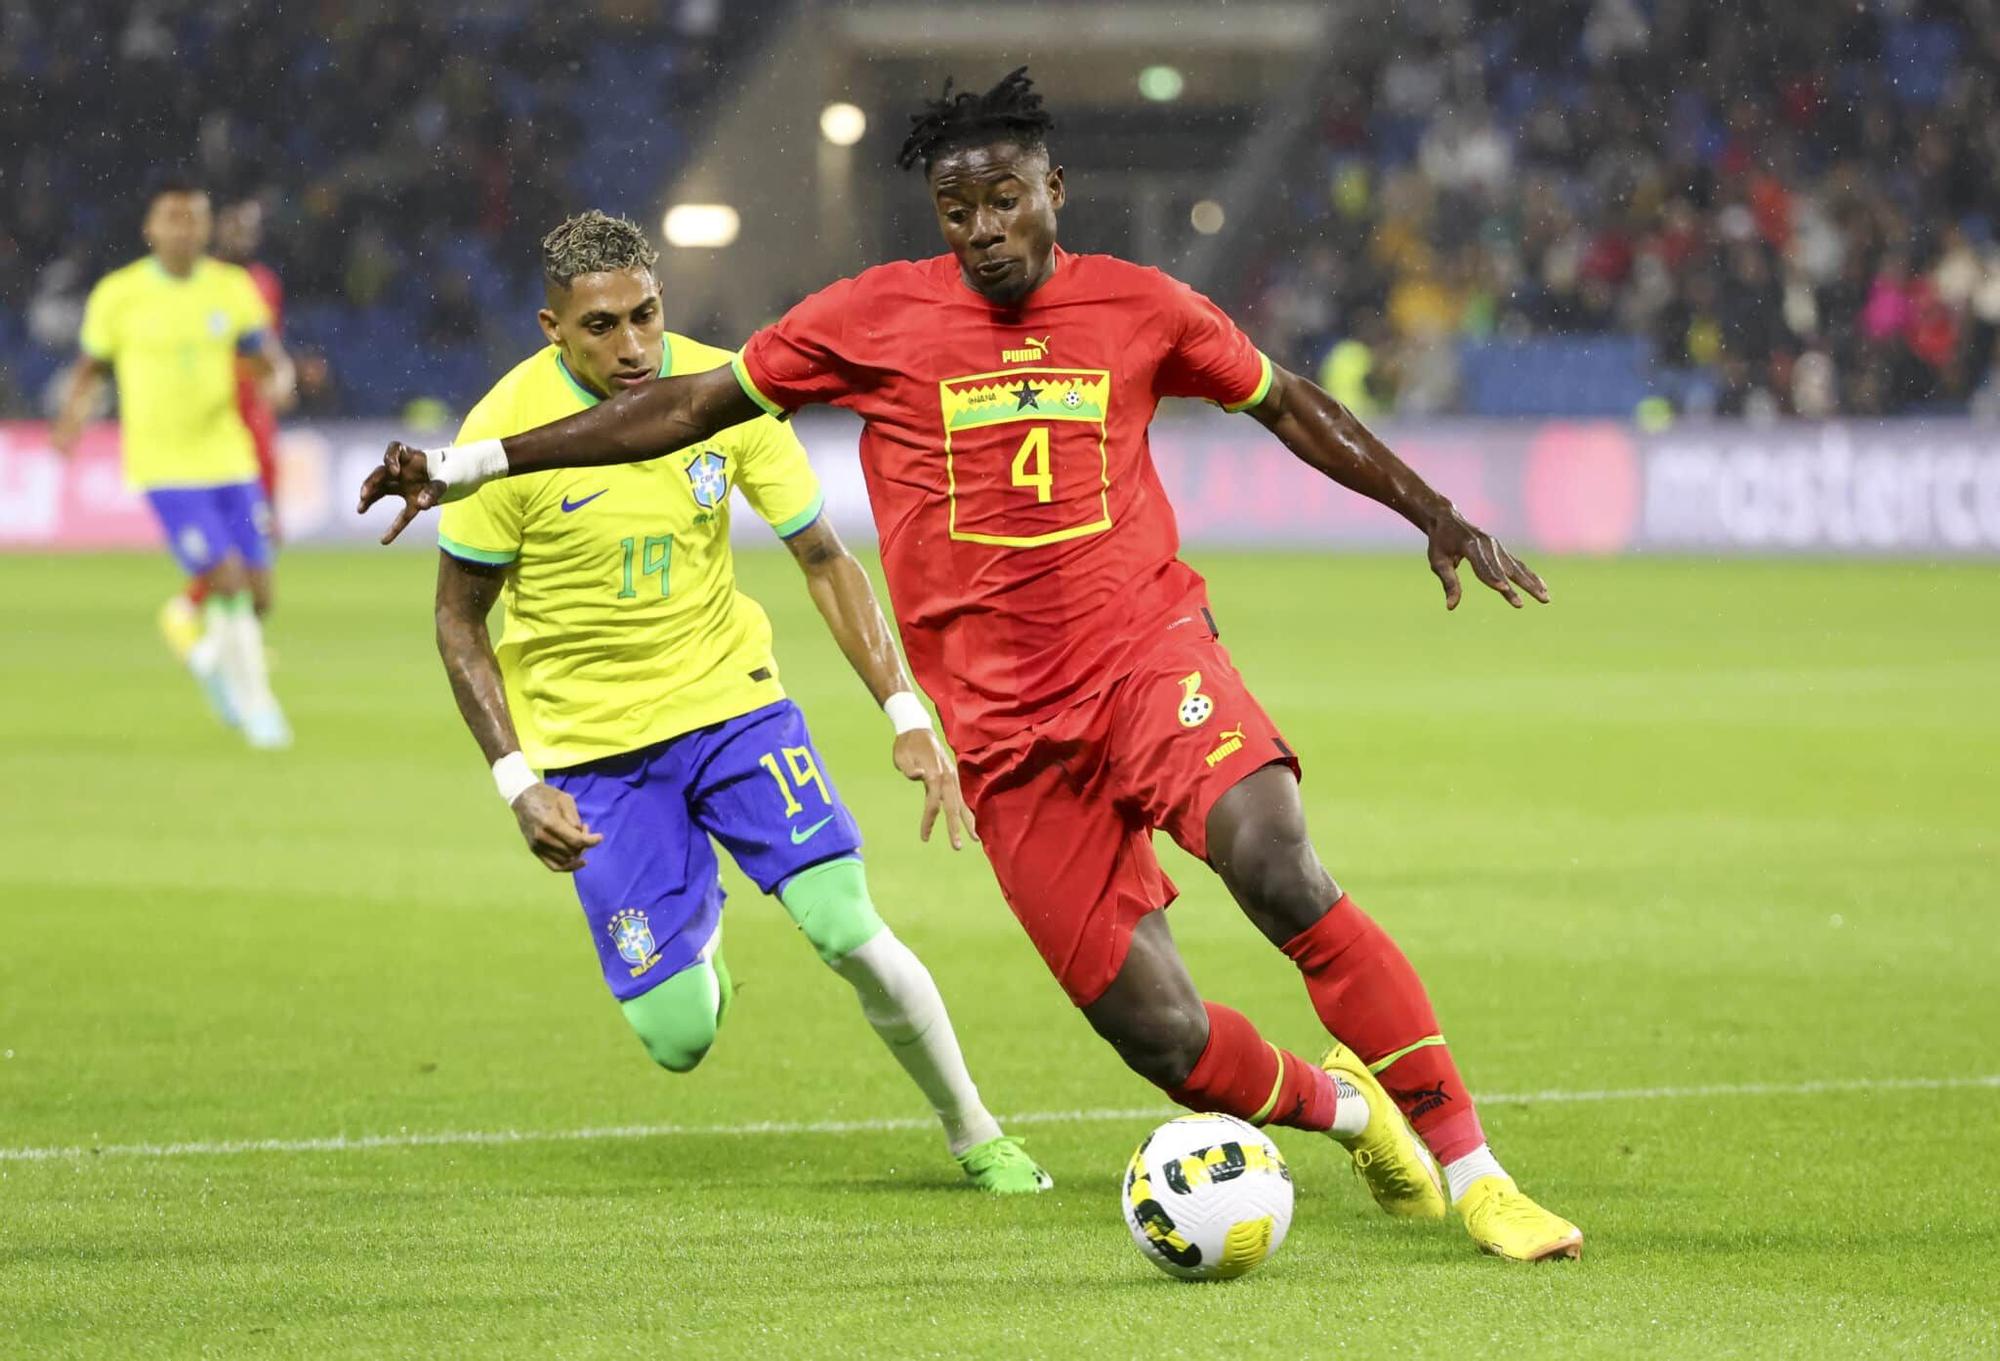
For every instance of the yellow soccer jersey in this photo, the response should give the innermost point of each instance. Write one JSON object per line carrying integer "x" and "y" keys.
{"x": 172, "y": 346}
{"x": 623, "y": 625}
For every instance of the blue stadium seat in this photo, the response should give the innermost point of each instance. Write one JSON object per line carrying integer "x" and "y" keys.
{"x": 1594, "y": 375}
{"x": 1921, "y": 59}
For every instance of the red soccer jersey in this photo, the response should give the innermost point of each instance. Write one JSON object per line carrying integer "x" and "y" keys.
{"x": 1029, "y": 546}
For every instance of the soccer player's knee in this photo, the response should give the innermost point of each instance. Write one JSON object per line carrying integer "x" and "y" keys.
{"x": 1284, "y": 880}
{"x": 1182, "y": 1036}
{"x": 831, "y": 905}
{"x": 676, "y": 1021}
{"x": 1161, "y": 1040}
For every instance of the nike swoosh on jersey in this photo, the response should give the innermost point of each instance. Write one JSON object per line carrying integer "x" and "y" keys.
{"x": 569, "y": 505}
{"x": 801, "y": 836}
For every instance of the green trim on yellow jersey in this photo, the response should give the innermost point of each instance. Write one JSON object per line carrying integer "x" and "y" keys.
{"x": 771, "y": 408}
{"x": 803, "y": 520}
{"x": 583, "y": 394}
{"x": 471, "y": 554}
{"x": 1262, "y": 389}
{"x": 589, "y": 398}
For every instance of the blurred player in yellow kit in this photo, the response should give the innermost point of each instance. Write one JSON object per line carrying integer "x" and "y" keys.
{"x": 171, "y": 330}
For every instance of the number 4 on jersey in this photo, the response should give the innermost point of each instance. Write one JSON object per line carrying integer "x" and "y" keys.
{"x": 1031, "y": 464}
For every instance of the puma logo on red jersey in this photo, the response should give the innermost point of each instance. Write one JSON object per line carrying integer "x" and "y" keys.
{"x": 1232, "y": 742}
{"x": 1032, "y": 351}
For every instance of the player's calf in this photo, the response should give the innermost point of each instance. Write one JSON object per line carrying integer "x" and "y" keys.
{"x": 900, "y": 999}
{"x": 1368, "y": 995}
{"x": 1206, "y": 1057}
{"x": 1366, "y": 992}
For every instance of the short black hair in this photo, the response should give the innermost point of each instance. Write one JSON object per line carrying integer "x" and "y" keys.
{"x": 174, "y": 180}
{"x": 1011, "y": 110}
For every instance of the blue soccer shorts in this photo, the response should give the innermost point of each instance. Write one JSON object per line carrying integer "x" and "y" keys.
{"x": 204, "y": 525}
{"x": 652, "y": 892}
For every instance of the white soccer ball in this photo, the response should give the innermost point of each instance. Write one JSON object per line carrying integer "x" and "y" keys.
{"x": 1207, "y": 1197}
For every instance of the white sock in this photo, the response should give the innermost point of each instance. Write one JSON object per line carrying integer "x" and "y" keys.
{"x": 243, "y": 665}
{"x": 1460, "y": 1173}
{"x": 901, "y": 1001}
{"x": 206, "y": 654}
{"x": 1350, "y": 1112}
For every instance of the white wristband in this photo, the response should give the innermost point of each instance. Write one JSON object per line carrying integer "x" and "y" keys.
{"x": 906, "y": 711}
{"x": 465, "y": 468}
{"x": 513, "y": 777}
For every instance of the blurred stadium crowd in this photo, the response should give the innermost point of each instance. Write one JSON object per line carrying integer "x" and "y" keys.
{"x": 1503, "y": 207}
{"x": 402, "y": 155}
{"x": 1758, "y": 208}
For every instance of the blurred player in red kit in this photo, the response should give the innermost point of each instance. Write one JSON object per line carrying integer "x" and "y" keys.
{"x": 239, "y": 233}
{"x": 1005, "y": 390}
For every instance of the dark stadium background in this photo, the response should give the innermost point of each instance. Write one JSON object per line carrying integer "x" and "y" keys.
{"x": 1731, "y": 236}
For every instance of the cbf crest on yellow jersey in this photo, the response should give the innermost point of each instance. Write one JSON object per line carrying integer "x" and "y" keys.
{"x": 172, "y": 345}
{"x": 623, "y": 625}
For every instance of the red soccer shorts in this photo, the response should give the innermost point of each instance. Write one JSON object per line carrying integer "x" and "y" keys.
{"x": 1067, "y": 808}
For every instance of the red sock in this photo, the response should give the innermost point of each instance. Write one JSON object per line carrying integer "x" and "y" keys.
{"x": 197, "y": 591}
{"x": 1241, "y": 1074}
{"x": 1368, "y": 996}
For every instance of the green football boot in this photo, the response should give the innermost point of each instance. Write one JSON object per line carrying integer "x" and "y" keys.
{"x": 1005, "y": 1168}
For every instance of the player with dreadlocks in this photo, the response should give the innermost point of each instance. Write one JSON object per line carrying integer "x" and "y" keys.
{"x": 1006, "y": 388}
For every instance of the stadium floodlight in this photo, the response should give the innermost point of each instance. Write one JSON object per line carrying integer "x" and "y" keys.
{"x": 1161, "y": 84}
{"x": 1207, "y": 217}
{"x": 709, "y": 225}
{"x": 842, "y": 123}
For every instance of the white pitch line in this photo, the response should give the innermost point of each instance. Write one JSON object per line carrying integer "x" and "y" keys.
{"x": 1862, "y": 1084}
{"x": 342, "y": 1143}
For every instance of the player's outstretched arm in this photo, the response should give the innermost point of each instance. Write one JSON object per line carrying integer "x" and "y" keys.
{"x": 646, "y": 422}
{"x": 846, "y": 600}
{"x": 1327, "y": 436}
{"x": 80, "y": 388}
{"x": 547, "y": 817}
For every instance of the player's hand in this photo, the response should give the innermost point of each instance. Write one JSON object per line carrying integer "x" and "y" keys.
{"x": 920, "y": 756}
{"x": 553, "y": 828}
{"x": 1453, "y": 541}
{"x": 405, "y": 473}
{"x": 282, "y": 397}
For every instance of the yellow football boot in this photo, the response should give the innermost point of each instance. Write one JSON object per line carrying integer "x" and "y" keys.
{"x": 1388, "y": 1156}
{"x": 1505, "y": 1223}
{"x": 180, "y": 625}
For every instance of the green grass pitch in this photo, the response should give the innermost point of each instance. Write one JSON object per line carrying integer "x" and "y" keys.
{"x": 1732, "y": 828}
